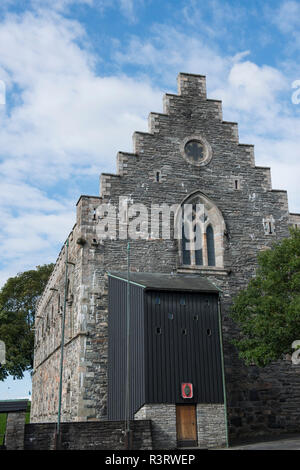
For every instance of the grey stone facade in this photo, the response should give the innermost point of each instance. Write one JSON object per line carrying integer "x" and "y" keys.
{"x": 254, "y": 215}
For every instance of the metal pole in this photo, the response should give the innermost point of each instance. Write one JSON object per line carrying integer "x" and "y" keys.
{"x": 62, "y": 345}
{"x": 127, "y": 397}
{"x": 223, "y": 371}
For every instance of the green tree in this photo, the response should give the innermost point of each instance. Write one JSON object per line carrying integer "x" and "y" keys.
{"x": 268, "y": 310}
{"x": 18, "y": 298}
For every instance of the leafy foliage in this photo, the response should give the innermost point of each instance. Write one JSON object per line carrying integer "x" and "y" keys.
{"x": 268, "y": 311}
{"x": 18, "y": 299}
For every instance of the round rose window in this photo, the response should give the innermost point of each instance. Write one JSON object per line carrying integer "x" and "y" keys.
{"x": 194, "y": 151}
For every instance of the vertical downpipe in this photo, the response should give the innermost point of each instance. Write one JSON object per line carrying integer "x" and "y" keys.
{"x": 223, "y": 371}
{"x": 58, "y": 430}
{"x": 127, "y": 397}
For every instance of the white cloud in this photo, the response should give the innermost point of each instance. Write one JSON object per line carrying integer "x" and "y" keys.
{"x": 67, "y": 122}
{"x": 251, "y": 92}
{"x": 256, "y": 96}
{"x": 222, "y": 16}
{"x": 32, "y": 239}
{"x": 170, "y": 51}
{"x": 68, "y": 115}
{"x": 35, "y": 225}
{"x": 287, "y": 16}
{"x": 126, "y": 7}
{"x": 257, "y": 83}
{"x": 60, "y": 5}
{"x": 23, "y": 196}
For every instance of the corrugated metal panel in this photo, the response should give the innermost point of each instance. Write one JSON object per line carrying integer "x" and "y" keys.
{"x": 174, "y": 339}
{"x": 117, "y": 348}
{"x": 186, "y": 349}
{"x": 137, "y": 349}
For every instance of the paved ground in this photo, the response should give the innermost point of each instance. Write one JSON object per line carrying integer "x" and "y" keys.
{"x": 284, "y": 443}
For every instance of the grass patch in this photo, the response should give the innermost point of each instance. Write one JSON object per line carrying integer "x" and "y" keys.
{"x": 3, "y": 417}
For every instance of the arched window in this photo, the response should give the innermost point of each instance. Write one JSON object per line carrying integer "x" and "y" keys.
{"x": 186, "y": 253}
{"x": 202, "y": 232}
{"x": 210, "y": 242}
{"x": 198, "y": 249}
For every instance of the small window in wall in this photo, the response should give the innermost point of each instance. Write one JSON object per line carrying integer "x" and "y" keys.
{"x": 269, "y": 225}
{"x": 158, "y": 177}
{"x": 186, "y": 253}
{"x": 171, "y": 316}
{"x": 157, "y": 300}
{"x": 198, "y": 250}
{"x": 236, "y": 183}
{"x": 158, "y": 330}
{"x": 182, "y": 301}
{"x": 208, "y": 332}
{"x": 184, "y": 331}
{"x": 196, "y": 317}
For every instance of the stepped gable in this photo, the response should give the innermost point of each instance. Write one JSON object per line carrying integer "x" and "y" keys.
{"x": 161, "y": 148}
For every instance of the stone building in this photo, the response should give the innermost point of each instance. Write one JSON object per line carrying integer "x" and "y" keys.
{"x": 188, "y": 156}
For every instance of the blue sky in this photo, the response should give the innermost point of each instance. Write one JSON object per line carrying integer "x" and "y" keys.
{"x": 82, "y": 75}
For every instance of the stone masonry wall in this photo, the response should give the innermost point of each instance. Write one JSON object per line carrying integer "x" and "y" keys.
{"x": 14, "y": 434}
{"x": 163, "y": 419}
{"x": 87, "y": 436}
{"x": 295, "y": 220}
{"x": 211, "y": 425}
{"x": 79, "y": 353}
{"x": 211, "y": 428}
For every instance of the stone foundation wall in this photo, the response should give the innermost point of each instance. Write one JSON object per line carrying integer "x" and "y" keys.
{"x": 87, "y": 436}
{"x": 211, "y": 427}
{"x": 266, "y": 400}
{"x": 163, "y": 419}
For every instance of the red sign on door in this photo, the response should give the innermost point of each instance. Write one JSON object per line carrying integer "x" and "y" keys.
{"x": 187, "y": 390}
